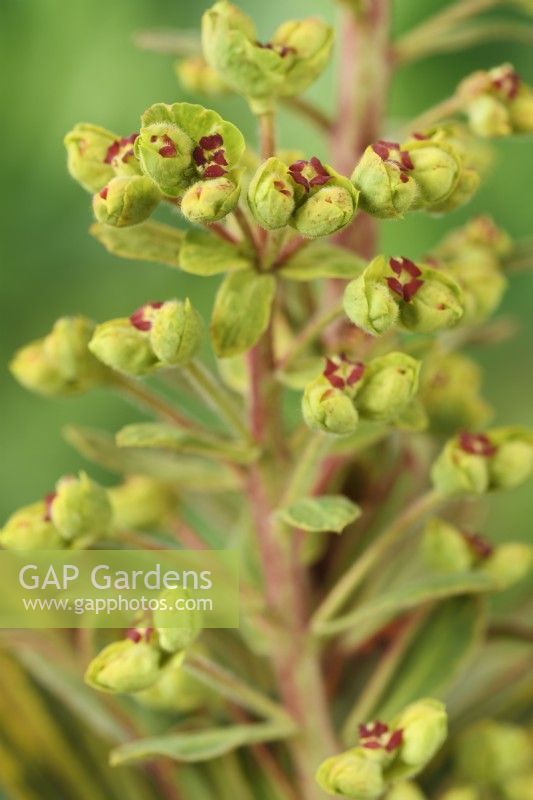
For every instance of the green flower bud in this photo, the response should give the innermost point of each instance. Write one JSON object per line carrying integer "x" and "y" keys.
{"x": 483, "y": 285}
{"x": 489, "y": 117}
{"x": 175, "y": 690}
{"x": 446, "y": 549}
{"x": 424, "y": 727}
{"x": 271, "y": 195}
{"x": 30, "y": 528}
{"x": 126, "y": 200}
{"x": 328, "y": 401}
{"x": 80, "y": 508}
{"x": 176, "y": 332}
{"x": 518, "y": 788}
{"x": 60, "y": 363}
{"x": 128, "y": 666}
{"x": 141, "y": 502}
{"x": 353, "y": 774}
{"x": 491, "y": 752}
{"x": 477, "y": 463}
{"x": 498, "y": 103}
{"x": 436, "y": 168}
{"x": 521, "y": 110}
{"x": 183, "y": 143}
{"x": 188, "y": 623}
{"x": 368, "y": 300}
{"x": 450, "y": 391}
{"x": 479, "y": 232}
{"x": 124, "y": 346}
{"x": 328, "y": 210}
{"x": 509, "y": 564}
{"x": 197, "y": 77}
{"x": 208, "y": 201}
{"x": 389, "y": 384}
{"x": 285, "y": 66}
{"x": 436, "y": 304}
{"x": 512, "y": 462}
{"x": 405, "y": 791}
{"x": 384, "y": 180}
{"x": 87, "y": 146}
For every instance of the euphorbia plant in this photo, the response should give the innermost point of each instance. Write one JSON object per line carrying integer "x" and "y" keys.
{"x": 351, "y": 648}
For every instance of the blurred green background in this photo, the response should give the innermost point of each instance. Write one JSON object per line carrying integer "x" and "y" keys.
{"x": 64, "y": 62}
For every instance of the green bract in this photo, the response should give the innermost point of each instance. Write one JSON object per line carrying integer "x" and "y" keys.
{"x": 420, "y": 298}
{"x": 389, "y": 384}
{"x": 176, "y": 627}
{"x": 284, "y": 67}
{"x": 125, "y": 667}
{"x": 308, "y": 195}
{"x": 174, "y": 690}
{"x": 80, "y": 509}
{"x": 141, "y": 502}
{"x": 182, "y": 144}
{"x": 60, "y": 363}
{"x": 87, "y": 146}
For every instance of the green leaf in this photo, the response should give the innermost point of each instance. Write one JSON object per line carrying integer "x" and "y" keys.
{"x": 170, "y": 437}
{"x": 317, "y": 514}
{"x": 149, "y": 241}
{"x": 322, "y": 260}
{"x": 203, "y": 253}
{"x": 199, "y": 746}
{"x": 242, "y": 312}
{"x": 188, "y": 472}
{"x": 443, "y": 645}
{"x": 371, "y": 616}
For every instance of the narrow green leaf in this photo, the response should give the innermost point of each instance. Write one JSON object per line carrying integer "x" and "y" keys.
{"x": 242, "y": 312}
{"x": 149, "y": 241}
{"x": 443, "y": 645}
{"x": 318, "y": 514}
{"x": 322, "y": 260}
{"x": 369, "y": 617}
{"x": 199, "y": 745}
{"x": 203, "y": 253}
{"x": 170, "y": 437}
{"x": 191, "y": 473}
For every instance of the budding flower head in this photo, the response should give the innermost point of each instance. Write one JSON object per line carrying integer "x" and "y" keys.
{"x": 424, "y": 727}
{"x": 210, "y": 200}
{"x": 124, "y": 344}
{"x": 80, "y": 508}
{"x": 491, "y": 752}
{"x": 328, "y": 401}
{"x": 87, "y": 146}
{"x": 176, "y": 332}
{"x": 186, "y": 625}
{"x": 389, "y": 384}
{"x": 509, "y": 563}
{"x": 353, "y": 774}
{"x": 308, "y": 195}
{"x": 141, "y": 502}
{"x": 30, "y": 528}
{"x": 60, "y": 363}
{"x": 128, "y": 666}
{"x": 479, "y": 232}
{"x": 183, "y": 143}
{"x": 197, "y": 77}
{"x": 422, "y": 299}
{"x": 498, "y": 103}
{"x": 384, "y": 178}
{"x": 437, "y": 169}
{"x": 479, "y": 462}
{"x": 126, "y": 200}
{"x": 262, "y": 72}
{"x": 450, "y": 391}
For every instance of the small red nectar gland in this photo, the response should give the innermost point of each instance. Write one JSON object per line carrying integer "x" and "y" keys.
{"x": 345, "y": 374}
{"x": 477, "y": 444}
{"x": 210, "y": 156}
{"x": 408, "y": 281}
{"x": 309, "y": 173}
{"x": 140, "y": 318}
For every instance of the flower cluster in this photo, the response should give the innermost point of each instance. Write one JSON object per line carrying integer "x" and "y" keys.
{"x": 159, "y": 334}
{"x": 347, "y": 390}
{"x": 386, "y": 753}
{"x": 498, "y": 102}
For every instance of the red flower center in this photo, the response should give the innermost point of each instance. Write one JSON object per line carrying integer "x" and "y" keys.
{"x": 309, "y": 174}
{"x": 343, "y": 373}
{"x": 210, "y": 157}
{"x": 281, "y": 49}
{"x": 477, "y": 444}
{"x": 378, "y": 736}
{"x": 406, "y": 281}
{"x": 120, "y": 149}
{"x": 142, "y": 317}
{"x": 391, "y": 153}
{"x": 507, "y": 83}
